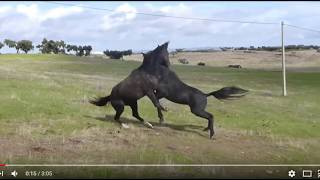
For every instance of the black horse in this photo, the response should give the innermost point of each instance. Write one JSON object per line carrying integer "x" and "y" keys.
{"x": 142, "y": 81}
{"x": 173, "y": 89}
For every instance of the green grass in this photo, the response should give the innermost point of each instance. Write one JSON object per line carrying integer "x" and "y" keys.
{"x": 44, "y": 103}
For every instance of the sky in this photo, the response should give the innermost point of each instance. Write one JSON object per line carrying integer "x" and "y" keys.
{"x": 123, "y": 29}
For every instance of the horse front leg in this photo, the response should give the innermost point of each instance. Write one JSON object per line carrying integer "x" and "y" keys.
{"x": 159, "y": 95}
{"x": 157, "y": 104}
{"x": 155, "y": 101}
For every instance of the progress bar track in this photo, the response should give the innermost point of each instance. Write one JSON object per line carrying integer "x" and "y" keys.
{"x": 164, "y": 165}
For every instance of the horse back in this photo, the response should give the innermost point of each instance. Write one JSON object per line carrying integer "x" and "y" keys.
{"x": 135, "y": 86}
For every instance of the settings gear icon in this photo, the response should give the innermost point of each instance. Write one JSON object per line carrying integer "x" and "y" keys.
{"x": 292, "y": 173}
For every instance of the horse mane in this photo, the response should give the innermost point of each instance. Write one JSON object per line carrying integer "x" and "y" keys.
{"x": 147, "y": 57}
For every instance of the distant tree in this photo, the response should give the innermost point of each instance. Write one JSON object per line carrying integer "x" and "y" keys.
{"x": 41, "y": 46}
{"x": 80, "y": 51}
{"x": 179, "y": 50}
{"x": 114, "y": 54}
{"x": 70, "y": 47}
{"x": 106, "y": 52}
{"x": 25, "y": 45}
{"x": 117, "y": 54}
{"x": 1, "y": 45}
{"x": 243, "y": 48}
{"x": 61, "y": 46}
{"x": 87, "y": 50}
{"x": 300, "y": 46}
{"x": 51, "y": 46}
{"x": 75, "y": 48}
{"x": 46, "y": 46}
{"x": 11, "y": 44}
{"x": 127, "y": 52}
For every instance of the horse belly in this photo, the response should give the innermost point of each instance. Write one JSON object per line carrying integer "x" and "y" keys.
{"x": 132, "y": 93}
{"x": 178, "y": 97}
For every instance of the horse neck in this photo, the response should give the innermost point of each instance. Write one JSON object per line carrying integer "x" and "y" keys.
{"x": 151, "y": 67}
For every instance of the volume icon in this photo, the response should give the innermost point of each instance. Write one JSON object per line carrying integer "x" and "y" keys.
{"x": 14, "y": 173}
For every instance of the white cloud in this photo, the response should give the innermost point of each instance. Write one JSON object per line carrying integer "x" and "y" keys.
{"x": 61, "y": 12}
{"x": 32, "y": 12}
{"x": 5, "y": 9}
{"x": 180, "y": 10}
{"x": 122, "y": 15}
{"x": 130, "y": 11}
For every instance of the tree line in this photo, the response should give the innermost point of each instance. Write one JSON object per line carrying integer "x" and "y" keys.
{"x": 278, "y": 48}
{"x": 117, "y": 54}
{"x": 259, "y": 48}
{"x": 47, "y": 47}
{"x": 60, "y": 47}
{"x": 24, "y": 45}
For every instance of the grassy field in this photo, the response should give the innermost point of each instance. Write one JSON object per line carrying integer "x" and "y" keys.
{"x": 45, "y": 116}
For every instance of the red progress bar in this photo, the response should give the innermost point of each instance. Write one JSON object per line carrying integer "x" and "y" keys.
{"x": 2, "y": 164}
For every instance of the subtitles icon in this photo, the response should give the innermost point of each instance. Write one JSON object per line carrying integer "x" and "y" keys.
{"x": 307, "y": 173}
{"x": 14, "y": 173}
{"x": 292, "y": 173}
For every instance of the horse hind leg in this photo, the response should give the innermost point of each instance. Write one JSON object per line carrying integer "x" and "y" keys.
{"x": 202, "y": 113}
{"x": 135, "y": 113}
{"x": 118, "y": 106}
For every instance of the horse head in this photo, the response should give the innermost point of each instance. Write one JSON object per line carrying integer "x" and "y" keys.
{"x": 158, "y": 56}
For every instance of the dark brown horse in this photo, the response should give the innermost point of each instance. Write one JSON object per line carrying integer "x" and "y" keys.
{"x": 173, "y": 89}
{"x": 142, "y": 81}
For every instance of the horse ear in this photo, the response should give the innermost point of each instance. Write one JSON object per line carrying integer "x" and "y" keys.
{"x": 165, "y": 45}
{"x": 143, "y": 54}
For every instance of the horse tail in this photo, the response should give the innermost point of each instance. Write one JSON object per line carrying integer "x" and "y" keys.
{"x": 102, "y": 101}
{"x": 228, "y": 93}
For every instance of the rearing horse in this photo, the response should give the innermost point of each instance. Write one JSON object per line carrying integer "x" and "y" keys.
{"x": 173, "y": 89}
{"x": 142, "y": 81}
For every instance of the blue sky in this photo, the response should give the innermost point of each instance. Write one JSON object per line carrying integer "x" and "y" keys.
{"x": 123, "y": 29}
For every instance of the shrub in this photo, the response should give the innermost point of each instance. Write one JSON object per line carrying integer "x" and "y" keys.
{"x": 183, "y": 61}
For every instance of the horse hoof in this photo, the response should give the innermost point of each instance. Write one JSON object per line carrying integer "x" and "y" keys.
{"x": 211, "y": 134}
{"x": 148, "y": 125}
{"x": 164, "y": 109}
{"x": 125, "y": 126}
